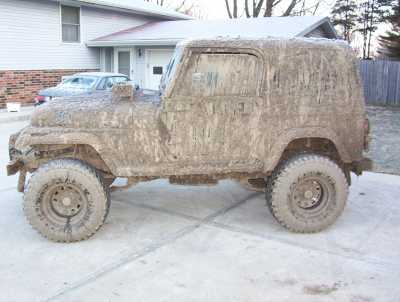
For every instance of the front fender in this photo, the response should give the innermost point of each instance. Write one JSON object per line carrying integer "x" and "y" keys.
{"x": 32, "y": 136}
{"x": 285, "y": 137}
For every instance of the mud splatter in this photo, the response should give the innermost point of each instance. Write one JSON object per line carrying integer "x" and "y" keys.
{"x": 320, "y": 289}
{"x": 286, "y": 282}
{"x": 361, "y": 298}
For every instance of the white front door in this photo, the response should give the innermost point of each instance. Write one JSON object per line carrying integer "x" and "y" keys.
{"x": 156, "y": 64}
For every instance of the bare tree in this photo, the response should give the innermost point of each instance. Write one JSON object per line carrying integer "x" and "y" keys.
{"x": 188, "y": 7}
{"x": 257, "y": 8}
{"x": 232, "y": 13}
{"x": 158, "y": 2}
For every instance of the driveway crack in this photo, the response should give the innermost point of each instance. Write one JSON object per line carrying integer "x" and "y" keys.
{"x": 130, "y": 257}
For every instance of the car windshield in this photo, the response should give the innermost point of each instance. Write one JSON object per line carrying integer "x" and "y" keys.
{"x": 79, "y": 82}
{"x": 171, "y": 68}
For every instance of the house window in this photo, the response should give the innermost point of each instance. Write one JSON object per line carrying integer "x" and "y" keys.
{"x": 70, "y": 22}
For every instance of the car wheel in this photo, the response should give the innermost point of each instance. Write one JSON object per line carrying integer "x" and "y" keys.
{"x": 307, "y": 193}
{"x": 66, "y": 200}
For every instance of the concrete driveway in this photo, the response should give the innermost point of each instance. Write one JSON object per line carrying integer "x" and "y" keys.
{"x": 183, "y": 243}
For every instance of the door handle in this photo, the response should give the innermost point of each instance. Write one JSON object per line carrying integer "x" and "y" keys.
{"x": 244, "y": 107}
{"x": 178, "y": 106}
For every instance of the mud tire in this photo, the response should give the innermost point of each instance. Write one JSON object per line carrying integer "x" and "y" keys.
{"x": 288, "y": 208}
{"x": 79, "y": 209}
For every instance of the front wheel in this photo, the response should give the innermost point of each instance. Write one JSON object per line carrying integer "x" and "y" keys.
{"x": 307, "y": 193}
{"x": 66, "y": 200}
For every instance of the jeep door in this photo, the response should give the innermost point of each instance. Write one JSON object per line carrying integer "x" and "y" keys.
{"x": 213, "y": 108}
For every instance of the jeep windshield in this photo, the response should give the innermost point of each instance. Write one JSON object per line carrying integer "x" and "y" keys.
{"x": 171, "y": 68}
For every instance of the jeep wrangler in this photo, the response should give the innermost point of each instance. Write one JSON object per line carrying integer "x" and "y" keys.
{"x": 285, "y": 116}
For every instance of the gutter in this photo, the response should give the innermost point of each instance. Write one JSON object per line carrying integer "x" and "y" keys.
{"x": 121, "y": 8}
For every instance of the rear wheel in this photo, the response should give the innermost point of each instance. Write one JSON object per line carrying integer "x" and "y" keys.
{"x": 307, "y": 193}
{"x": 66, "y": 200}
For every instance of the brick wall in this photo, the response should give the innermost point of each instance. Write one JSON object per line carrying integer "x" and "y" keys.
{"x": 23, "y": 85}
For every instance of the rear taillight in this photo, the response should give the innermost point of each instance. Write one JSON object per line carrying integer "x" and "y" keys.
{"x": 40, "y": 98}
{"x": 367, "y": 130}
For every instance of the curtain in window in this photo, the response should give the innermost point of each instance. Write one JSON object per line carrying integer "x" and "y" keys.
{"x": 70, "y": 24}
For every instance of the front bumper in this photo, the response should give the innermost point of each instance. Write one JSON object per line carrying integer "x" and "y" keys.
{"x": 14, "y": 166}
{"x": 16, "y": 163}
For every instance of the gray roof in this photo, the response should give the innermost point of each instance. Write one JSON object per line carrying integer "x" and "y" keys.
{"x": 171, "y": 32}
{"x": 99, "y": 74}
{"x": 139, "y": 7}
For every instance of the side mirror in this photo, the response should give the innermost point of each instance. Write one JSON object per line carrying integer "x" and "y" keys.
{"x": 123, "y": 91}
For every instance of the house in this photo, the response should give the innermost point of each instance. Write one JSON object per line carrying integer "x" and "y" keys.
{"x": 42, "y": 40}
{"x": 45, "y": 39}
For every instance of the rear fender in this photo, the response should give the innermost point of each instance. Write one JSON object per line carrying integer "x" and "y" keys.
{"x": 277, "y": 149}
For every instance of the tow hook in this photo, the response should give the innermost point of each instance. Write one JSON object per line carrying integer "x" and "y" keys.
{"x": 14, "y": 166}
{"x": 21, "y": 180}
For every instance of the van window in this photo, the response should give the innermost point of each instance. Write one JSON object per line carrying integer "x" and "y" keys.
{"x": 220, "y": 74}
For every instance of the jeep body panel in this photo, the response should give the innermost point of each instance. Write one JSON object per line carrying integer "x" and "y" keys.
{"x": 230, "y": 106}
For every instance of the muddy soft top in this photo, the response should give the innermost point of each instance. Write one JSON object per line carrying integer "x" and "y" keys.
{"x": 262, "y": 43}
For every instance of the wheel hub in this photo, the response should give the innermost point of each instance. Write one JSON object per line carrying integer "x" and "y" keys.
{"x": 66, "y": 201}
{"x": 307, "y": 194}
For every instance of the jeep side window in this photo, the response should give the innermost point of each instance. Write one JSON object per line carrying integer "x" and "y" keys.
{"x": 220, "y": 74}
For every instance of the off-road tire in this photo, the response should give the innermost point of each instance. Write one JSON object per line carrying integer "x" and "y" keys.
{"x": 66, "y": 200}
{"x": 307, "y": 171}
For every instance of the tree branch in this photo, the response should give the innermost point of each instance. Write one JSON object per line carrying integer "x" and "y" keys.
{"x": 228, "y": 9}
{"x": 268, "y": 7}
{"x": 258, "y": 7}
{"x": 179, "y": 7}
{"x": 290, "y": 8}
{"x": 246, "y": 8}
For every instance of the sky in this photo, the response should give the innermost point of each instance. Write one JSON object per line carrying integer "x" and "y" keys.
{"x": 215, "y": 9}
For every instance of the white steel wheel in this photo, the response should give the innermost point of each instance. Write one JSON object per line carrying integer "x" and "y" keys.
{"x": 66, "y": 200}
{"x": 307, "y": 193}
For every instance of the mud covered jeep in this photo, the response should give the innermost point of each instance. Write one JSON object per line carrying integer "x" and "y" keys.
{"x": 283, "y": 116}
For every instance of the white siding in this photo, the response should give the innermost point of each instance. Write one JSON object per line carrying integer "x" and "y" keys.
{"x": 30, "y": 35}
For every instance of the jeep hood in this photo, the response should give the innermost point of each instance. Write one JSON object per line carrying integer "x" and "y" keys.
{"x": 95, "y": 111}
{"x": 60, "y": 91}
